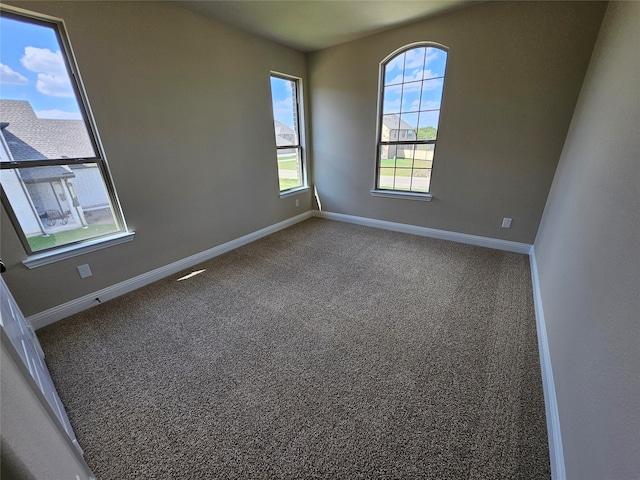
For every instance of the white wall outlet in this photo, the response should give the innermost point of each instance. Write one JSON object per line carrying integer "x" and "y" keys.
{"x": 297, "y": 202}
{"x": 84, "y": 270}
{"x": 506, "y": 222}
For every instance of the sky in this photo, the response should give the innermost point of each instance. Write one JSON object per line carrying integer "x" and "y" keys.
{"x": 413, "y": 86}
{"x": 282, "y": 97}
{"x": 32, "y": 68}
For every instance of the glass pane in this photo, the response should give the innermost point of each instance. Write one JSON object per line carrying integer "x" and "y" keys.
{"x": 390, "y": 128}
{"x": 388, "y": 156}
{"x": 431, "y": 94}
{"x": 289, "y": 168}
{"x": 414, "y": 64}
{"x": 403, "y": 179}
{"x": 420, "y": 180}
{"x": 38, "y": 102}
{"x": 428, "y": 125}
{"x": 408, "y": 123}
{"x": 385, "y": 178}
{"x": 393, "y": 71}
{"x": 423, "y": 156}
{"x": 435, "y": 63}
{"x": 386, "y": 172}
{"x": 392, "y": 97}
{"x": 404, "y": 156}
{"x": 285, "y": 111}
{"x": 411, "y": 96}
{"x": 60, "y": 204}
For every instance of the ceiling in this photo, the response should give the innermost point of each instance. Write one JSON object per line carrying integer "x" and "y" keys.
{"x": 309, "y": 25}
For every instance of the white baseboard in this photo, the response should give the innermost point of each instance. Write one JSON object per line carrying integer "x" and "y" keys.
{"x": 59, "y": 312}
{"x": 551, "y": 402}
{"x": 494, "y": 243}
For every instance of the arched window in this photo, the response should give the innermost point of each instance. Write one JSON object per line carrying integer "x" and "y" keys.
{"x": 411, "y": 83}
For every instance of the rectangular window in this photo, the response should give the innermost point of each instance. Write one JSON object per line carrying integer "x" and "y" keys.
{"x": 55, "y": 182}
{"x": 285, "y": 99}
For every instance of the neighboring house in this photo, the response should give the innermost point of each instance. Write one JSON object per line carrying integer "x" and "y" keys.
{"x": 41, "y": 195}
{"x": 394, "y": 129}
{"x": 284, "y": 134}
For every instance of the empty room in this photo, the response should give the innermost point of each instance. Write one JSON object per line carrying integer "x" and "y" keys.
{"x": 320, "y": 239}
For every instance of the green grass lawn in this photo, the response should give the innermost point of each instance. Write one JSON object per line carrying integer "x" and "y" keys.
{"x": 287, "y": 183}
{"x": 291, "y": 165}
{"x": 404, "y": 172}
{"x": 287, "y": 156}
{"x": 288, "y": 165}
{"x": 41, "y": 242}
{"x": 404, "y": 163}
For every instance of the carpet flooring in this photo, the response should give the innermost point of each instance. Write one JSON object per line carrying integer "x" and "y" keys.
{"x": 326, "y": 350}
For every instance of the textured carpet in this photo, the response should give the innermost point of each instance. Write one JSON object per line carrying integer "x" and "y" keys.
{"x": 326, "y": 350}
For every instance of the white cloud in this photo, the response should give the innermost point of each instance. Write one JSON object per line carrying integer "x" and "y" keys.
{"x": 396, "y": 79}
{"x": 54, "y": 86}
{"x": 432, "y": 54}
{"x": 9, "y": 76}
{"x": 412, "y": 87}
{"x": 433, "y": 83}
{"x": 430, "y": 105}
{"x": 397, "y": 62}
{"x": 43, "y": 60}
{"x": 53, "y": 79}
{"x": 415, "y": 58}
{"x": 59, "y": 115}
{"x": 416, "y": 76}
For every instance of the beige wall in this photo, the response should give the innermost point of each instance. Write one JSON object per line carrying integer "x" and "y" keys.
{"x": 588, "y": 257}
{"x": 513, "y": 76}
{"x": 183, "y": 107}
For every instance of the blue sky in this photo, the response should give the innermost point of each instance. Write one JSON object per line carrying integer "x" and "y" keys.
{"x": 281, "y": 95}
{"x": 32, "y": 68}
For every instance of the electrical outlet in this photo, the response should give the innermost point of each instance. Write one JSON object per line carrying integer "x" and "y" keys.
{"x": 297, "y": 202}
{"x": 84, "y": 271}
{"x": 506, "y": 222}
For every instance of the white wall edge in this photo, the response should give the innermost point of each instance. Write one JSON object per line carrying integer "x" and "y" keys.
{"x": 556, "y": 453}
{"x": 488, "y": 242}
{"x": 52, "y": 315}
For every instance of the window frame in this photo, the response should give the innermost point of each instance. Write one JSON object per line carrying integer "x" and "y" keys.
{"x": 78, "y": 247}
{"x": 297, "y": 81}
{"x": 377, "y": 191}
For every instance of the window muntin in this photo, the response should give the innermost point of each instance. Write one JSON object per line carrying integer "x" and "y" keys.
{"x": 285, "y": 101}
{"x": 55, "y": 181}
{"x": 411, "y": 95}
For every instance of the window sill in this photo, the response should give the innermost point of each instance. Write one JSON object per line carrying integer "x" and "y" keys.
{"x": 293, "y": 191}
{"x": 421, "y": 197}
{"x": 39, "y": 259}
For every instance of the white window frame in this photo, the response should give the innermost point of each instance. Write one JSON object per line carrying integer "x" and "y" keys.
{"x": 57, "y": 253}
{"x": 392, "y": 193}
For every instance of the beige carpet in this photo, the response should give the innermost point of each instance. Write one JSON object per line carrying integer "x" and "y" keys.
{"x": 326, "y": 350}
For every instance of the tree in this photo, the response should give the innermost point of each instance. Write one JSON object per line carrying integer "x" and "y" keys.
{"x": 427, "y": 133}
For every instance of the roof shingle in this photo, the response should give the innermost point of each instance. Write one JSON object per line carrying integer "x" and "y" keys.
{"x": 33, "y": 138}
